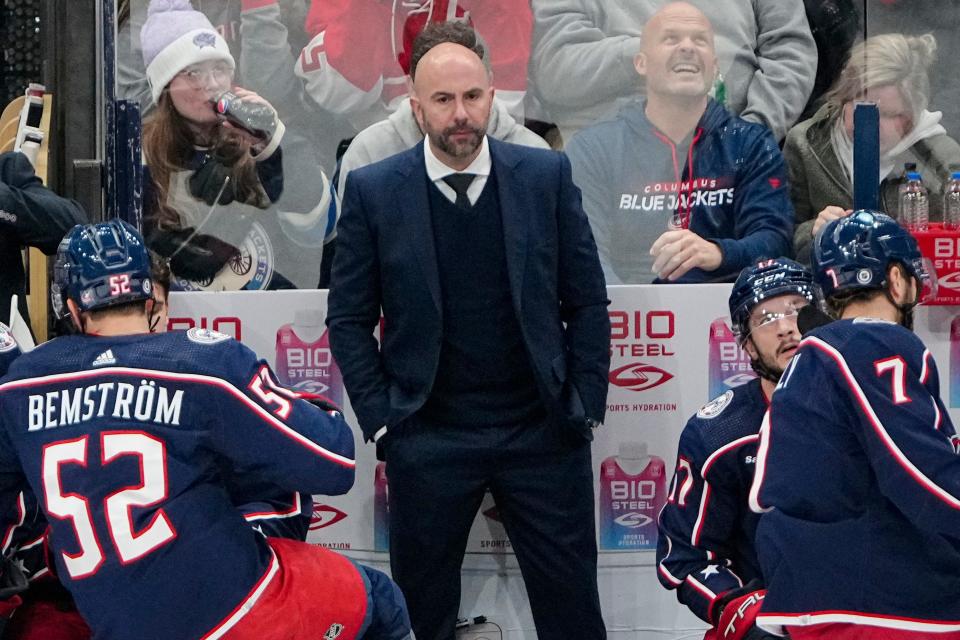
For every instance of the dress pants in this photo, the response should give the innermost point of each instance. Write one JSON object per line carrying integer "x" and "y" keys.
{"x": 541, "y": 478}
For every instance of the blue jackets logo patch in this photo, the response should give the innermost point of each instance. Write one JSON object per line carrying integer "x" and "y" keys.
{"x": 206, "y": 336}
{"x": 716, "y": 406}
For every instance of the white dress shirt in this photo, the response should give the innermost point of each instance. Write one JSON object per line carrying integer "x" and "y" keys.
{"x": 437, "y": 171}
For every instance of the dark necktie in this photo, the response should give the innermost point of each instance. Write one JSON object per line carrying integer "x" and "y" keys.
{"x": 460, "y": 182}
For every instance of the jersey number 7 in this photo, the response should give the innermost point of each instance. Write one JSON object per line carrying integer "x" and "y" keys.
{"x": 130, "y": 545}
{"x": 898, "y": 373}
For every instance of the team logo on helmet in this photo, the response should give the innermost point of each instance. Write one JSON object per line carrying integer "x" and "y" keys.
{"x": 638, "y": 376}
{"x": 716, "y": 406}
{"x": 864, "y": 276}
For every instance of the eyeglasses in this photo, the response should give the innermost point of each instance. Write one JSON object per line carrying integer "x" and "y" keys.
{"x": 768, "y": 317}
{"x": 197, "y": 75}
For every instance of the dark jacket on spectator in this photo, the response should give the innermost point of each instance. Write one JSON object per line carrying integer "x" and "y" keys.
{"x": 728, "y": 186}
{"x": 30, "y": 215}
{"x": 818, "y": 180}
{"x": 835, "y": 25}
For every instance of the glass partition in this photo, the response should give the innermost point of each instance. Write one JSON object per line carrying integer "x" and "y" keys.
{"x": 737, "y": 133}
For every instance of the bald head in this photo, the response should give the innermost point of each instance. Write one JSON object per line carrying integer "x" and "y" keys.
{"x": 677, "y": 55}
{"x": 444, "y": 62}
{"x": 451, "y": 100}
{"x": 672, "y": 14}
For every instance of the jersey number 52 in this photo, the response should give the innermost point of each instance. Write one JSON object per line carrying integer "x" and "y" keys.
{"x": 130, "y": 545}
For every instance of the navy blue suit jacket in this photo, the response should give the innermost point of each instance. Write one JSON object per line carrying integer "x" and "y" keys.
{"x": 385, "y": 261}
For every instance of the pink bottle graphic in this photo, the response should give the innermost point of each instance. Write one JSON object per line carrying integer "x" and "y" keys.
{"x": 304, "y": 360}
{"x": 633, "y": 489}
{"x": 729, "y": 364}
{"x": 381, "y": 509}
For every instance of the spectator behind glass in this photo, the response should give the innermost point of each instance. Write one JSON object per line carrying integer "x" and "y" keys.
{"x": 942, "y": 20}
{"x": 261, "y": 34}
{"x": 835, "y": 25}
{"x": 890, "y": 70}
{"x": 356, "y": 64}
{"x": 400, "y": 131}
{"x": 582, "y": 61}
{"x": 30, "y": 215}
{"x": 677, "y": 187}
{"x": 227, "y": 207}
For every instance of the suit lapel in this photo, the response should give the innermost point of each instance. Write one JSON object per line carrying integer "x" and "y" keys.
{"x": 413, "y": 203}
{"x": 515, "y": 209}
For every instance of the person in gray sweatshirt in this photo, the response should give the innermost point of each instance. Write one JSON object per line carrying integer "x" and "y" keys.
{"x": 581, "y": 66}
{"x": 400, "y": 131}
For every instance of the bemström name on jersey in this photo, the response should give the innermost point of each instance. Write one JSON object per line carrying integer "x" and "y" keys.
{"x": 146, "y": 402}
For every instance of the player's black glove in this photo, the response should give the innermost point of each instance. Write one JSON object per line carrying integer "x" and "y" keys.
{"x": 12, "y": 579}
{"x": 810, "y": 317}
{"x": 13, "y": 582}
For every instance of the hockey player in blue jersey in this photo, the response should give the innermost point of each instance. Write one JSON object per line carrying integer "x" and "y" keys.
{"x": 705, "y": 549}
{"x": 46, "y": 611}
{"x": 270, "y": 510}
{"x": 124, "y": 436}
{"x": 857, "y": 476}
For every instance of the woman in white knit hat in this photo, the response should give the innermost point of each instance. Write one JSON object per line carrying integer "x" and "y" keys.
{"x": 222, "y": 202}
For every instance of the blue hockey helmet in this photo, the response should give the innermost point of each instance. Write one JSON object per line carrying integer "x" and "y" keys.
{"x": 762, "y": 281}
{"x": 100, "y": 265}
{"x": 855, "y": 252}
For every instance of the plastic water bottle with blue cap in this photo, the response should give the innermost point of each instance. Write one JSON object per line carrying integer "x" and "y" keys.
{"x": 951, "y": 199}
{"x": 914, "y": 203}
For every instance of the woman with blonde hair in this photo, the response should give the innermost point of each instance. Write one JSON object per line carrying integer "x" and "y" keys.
{"x": 890, "y": 70}
{"x": 224, "y": 203}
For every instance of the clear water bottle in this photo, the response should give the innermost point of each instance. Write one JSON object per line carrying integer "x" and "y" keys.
{"x": 914, "y": 203}
{"x": 951, "y": 199}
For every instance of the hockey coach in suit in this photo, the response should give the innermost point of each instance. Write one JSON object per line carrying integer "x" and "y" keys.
{"x": 493, "y": 364}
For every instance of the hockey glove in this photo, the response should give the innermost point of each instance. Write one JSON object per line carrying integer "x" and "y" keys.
{"x": 738, "y": 616}
{"x": 13, "y": 581}
{"x": 810, "y": 317}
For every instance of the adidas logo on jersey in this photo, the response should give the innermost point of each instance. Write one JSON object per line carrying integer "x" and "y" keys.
{"x": 104, "y": 358}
